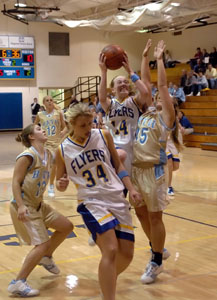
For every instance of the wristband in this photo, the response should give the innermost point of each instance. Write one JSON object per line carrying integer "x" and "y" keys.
{"x": 134, "y": 77}
{"x": 123, "y": 174}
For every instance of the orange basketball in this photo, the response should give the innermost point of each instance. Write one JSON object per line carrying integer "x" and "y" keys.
{"x": 114, "y": 56}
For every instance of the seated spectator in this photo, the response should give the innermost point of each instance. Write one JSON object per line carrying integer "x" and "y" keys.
{"x": 171, "y": 88}
{"x": 183, "y": 78}
{"x": 200, "y": 66}
{"x": 168, "y": 61}
{"x": 191, "y": 79}
{"x": 73, "y": 100}
{"x": 153, "y": 64}
{"x": 153, "y": 90}
{"x": 185, "y": 125}
{"x": 201, "y": 83}
{"x": 213, "y": 57}
{"x": 205, "y": 57}
{"x": 198, "y": 55}
{"x": 179, "y": 94}
{"x": 100, "y": 115}
{"x": 211, "y": 76}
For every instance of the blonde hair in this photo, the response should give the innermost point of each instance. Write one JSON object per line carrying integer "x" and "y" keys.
{"x": 56, "y": 107}
{"x": 112, "y": 83}
{"x": 46, "y": 97}
{"x": 75, "y": 111}
{"x": 23, "y": 137}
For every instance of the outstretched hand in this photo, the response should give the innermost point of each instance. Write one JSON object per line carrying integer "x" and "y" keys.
{"x": 126, "y": 64}
{"x": 147, "y": 47}
{"x": 102, "y": 62}
{"x": 159, "y": 50}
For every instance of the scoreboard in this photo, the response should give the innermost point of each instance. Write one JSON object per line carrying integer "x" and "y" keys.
{"x": 18, "y": 62}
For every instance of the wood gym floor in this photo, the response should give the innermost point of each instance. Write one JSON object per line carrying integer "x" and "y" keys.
{"x": 191, "y": 222}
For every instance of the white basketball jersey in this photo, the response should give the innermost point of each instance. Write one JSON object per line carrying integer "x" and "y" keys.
{"x": 89, "y": 167}
{"x": 121, "y": 120}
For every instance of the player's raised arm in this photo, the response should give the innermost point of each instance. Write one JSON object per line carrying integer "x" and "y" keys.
{"x": 140, "y": 86}
{"x": 104, "y": 100}
{"x": 168, "y": 112}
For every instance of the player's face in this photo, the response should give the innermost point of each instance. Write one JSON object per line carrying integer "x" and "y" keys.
{"x": 48, "y": 103}
{"x": 39, "y": 134}
{"x": 121, "y": 87}
{"x": 82, "y": 127}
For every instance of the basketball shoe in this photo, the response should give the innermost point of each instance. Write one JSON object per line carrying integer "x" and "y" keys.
{"x": 22, "y": 289}
{"x": 51, "y": 192}
{"x": 49, "y": 265}
{"x": 151, "y": 273}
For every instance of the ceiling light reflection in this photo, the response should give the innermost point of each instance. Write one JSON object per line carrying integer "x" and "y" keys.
{"x": 177, "y": 256}
{"x": 175, "y": 4}
{"x": 71, "y": 281}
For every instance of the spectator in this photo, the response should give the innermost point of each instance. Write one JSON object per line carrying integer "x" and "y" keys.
{"x": 73, "y": 100}
{"x": 183, "y": 78}
{"x": 153, "y": 90}
{"x": 211, "y": 76}
{"x": 185, "y": 125}
{"x": 198, "y": 55}
{"x": 179, "y": 94}
{"x": 213, "y": 57}
{"x": 205, "y": 57}
{"x": 191, "y": 79}
{"x": 201, "y": 83}
{"x": 200, "y": 66}
{"x": 171, "y": 88}
{"x": 168, "y": 61}
{"x": 35, "y": 109}
{"x": 42, "y": 108}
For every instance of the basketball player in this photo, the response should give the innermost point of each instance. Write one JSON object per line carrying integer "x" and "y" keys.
{"x": 174, "y": 146}
{"x": 51, "y": 120}
{"x": 148, "y": 169}
{"x": 85, "y": 158}
{"x": 123, "y": 110}
{"x": 30, "y": 215}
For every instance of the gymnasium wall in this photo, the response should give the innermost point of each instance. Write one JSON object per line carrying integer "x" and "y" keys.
{"x": 85, "y": 46}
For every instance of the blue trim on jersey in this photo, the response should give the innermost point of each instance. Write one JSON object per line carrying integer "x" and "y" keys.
{"x": 165, "y": 126}
{"x": 92, "y": 224}
{"x": 100, "y": 131}
{"x": 62, "y": 150}
{"x": 118, "y": 147}
{"x": 44, "y": 161}
{"x": 169, "y": 156}
{"x": 125, "y": 235}
{"x": 69, "y": 139}
{"x": 139, "y": 111}
{"x": 159, "y": 171}
{"x": 163, "y": 156}
{"x": 176, "y": 159}
{"x": 173, "y": 158}
{"x": 27, "y": 154}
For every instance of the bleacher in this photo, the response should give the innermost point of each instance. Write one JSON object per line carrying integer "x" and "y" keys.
{"x": 200, "y": 110}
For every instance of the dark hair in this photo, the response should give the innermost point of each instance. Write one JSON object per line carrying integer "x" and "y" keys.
{"x": 175, "y": 132}
{"x": 23, "y": 137}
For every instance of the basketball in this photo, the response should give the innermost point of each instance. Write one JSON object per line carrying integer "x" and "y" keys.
{"x": 114, "y": 56}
